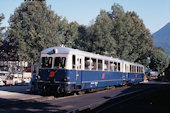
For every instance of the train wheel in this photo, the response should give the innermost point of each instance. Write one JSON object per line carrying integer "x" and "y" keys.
{"x": 45, "y": 91}
{"x": 124, "y": 83}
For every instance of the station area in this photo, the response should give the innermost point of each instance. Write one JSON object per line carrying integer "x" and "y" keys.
{"x": 14, "y": 73}
{"x": 148, "y": 96}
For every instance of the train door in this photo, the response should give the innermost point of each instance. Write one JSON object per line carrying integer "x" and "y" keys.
{"x": 78, "y": 70}
{"x": 125, "y": 73}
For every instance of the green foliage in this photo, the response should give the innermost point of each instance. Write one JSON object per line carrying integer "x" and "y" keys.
{"x": 1, "y": 28}
{"x": 71, "y": 34}
{"x": 81, "y": 42}
{"x": 118, "y": 34}
{"x": 99, "y": 39}
{"x": 132, "y": 38}
{"x": 159, "y": 60}
{"x": 34, "y": 27}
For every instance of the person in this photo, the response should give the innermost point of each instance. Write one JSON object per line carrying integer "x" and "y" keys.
{"x": 33, "y": 82}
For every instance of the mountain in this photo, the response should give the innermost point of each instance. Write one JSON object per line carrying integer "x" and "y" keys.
{"x": 162, "y": 38}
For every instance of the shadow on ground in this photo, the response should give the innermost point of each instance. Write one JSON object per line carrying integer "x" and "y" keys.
{"x": 155, "y": 99}
{"x": 18, "y": 106}
{"x": 16, "y": 89}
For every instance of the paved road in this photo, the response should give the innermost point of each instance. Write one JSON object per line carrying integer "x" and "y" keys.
{"x": 18, "y": 89}
{"x": 12, "y": 101}
{"x": 154, "y": 100}
{"x": 15, "y": 93}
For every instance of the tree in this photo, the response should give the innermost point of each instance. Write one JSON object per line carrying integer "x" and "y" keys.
{"x": 167, "y": 71}
{"x": 159, "y": 60}
{"x": 81, "y": 42}
{"x": 71, "y": 34}
{"x": 144, "y": 40}
{"x": 1, "y": 28}
{"x": 118, "y": 34}
{"x": 132, "y": 38}
{"x": 120, "y": 31}
{"x": 34, "y": 27}
{"x": 98, "y": 37}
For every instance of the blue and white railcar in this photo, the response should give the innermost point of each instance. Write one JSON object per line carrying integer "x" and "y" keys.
{"x": 67, "y": 70}
{"x": 133, "y": 73}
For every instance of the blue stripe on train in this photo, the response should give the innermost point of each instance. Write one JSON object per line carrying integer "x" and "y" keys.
{"x": 91, "y": 79}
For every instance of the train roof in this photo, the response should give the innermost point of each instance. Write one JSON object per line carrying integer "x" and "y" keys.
{"x": 65, "y": 50}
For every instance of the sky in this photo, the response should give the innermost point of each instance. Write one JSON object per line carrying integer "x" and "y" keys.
{"x": 154, "y": 13}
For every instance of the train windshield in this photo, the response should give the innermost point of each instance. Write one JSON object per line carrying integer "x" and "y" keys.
{"x": 46, "y": 62}
{"x": 59, "y": 62}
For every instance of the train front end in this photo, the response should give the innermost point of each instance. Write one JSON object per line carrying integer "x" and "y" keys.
{"x": 53, "y": 72}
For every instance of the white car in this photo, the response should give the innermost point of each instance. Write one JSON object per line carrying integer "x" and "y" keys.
{"x": 1, "y": 82}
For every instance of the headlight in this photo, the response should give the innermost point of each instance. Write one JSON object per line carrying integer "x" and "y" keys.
{"x": 38, "y": 77}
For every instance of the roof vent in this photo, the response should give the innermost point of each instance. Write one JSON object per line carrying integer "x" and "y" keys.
{"x": 62, "y": 45}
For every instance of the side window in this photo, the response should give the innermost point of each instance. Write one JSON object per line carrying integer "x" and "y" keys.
{"x": 112, "y": 66}
{"x": 115, "y": 66}
{"x": 59, "y": 62}
{"x": 87, "y": 63}
{"x": 119, "y": 67}
{"x": 94, "y": 64}
{"x": 73, "y": 61}
{"x": 80, "y": 64}
{"x": 100, "y": 66}
{"x": 141, "y": 69}
{"x": 46, "y": 62}
{"x": 134, "y": 69}
{"x": 106, "y": 65}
